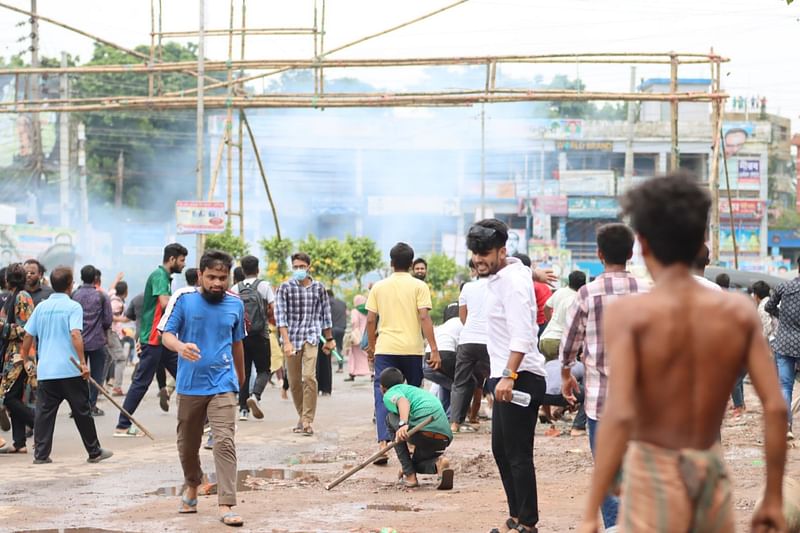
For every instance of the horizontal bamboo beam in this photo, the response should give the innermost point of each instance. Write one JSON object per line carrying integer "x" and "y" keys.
{"x": 341, "y": 63}
{"x": 299, "y": 100}
{"x": 238, "y": 31}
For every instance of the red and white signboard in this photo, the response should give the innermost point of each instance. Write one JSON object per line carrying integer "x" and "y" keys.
{"x": 199, "y": 217}
{"x": 741, "y": 208}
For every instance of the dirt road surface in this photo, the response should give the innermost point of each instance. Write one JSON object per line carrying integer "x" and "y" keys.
{"x": 282, "y": 476}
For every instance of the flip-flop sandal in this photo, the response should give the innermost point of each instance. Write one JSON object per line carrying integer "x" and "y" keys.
{"x": 228, "y": 519}
{"x": 446, "y": 479}
{"x": 381, "y": 461}
{"x": 298, "y": 428}
{"x": 406, "y": 485}
{"x": 12, "y": 449}
{"x": 190, "y": 503}
{"x": 308, "y": 431}
{"x": 466, "y": 428}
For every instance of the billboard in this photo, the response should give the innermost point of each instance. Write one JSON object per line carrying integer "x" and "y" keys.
{"x": 199, "y": 217}
{"x": 593, "y": 207}
{"x": 748, "y": 239}
{"x": 741, "y": 208}
{"x": 52, "y": 246}
{"x": 587, "y": 182}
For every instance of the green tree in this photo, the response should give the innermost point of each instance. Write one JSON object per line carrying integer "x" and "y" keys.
{"x": 228, "y": 242}
{"x": 277, "y": 252}
{"x": 154, "y": 143}
{"x": 441, "y": 271}
{"x": 330, "y": 259}
{"x": 365, "y": 257}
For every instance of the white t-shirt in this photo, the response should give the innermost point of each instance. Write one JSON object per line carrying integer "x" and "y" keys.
{"x": 473, "y": 297}
{"x": 559, "y": 302}
{"x": 263, "y": 289}
{"x": 447, "y": 334}
{"x": 707, "y": 283}
{"x": 511, "y": 317}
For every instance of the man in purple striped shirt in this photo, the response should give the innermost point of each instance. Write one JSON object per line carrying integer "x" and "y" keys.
{"x": 585, "y": 332}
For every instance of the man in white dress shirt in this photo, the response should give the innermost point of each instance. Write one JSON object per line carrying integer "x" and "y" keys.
{"x": 516, "y": 366}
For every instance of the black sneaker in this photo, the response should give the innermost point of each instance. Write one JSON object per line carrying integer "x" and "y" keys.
{"x": 44, "y": 461}
{"x": 96, "y": 411}
{"x": 104, "y": 454}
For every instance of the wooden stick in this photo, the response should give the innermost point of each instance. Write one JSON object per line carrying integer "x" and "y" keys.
{"x": 113, "y": 401}
{"x": 243, "y": 118}
{"x": 374, "y": 456}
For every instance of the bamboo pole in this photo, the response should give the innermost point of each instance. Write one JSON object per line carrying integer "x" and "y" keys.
{"x": 673, "y": 112}
{"x": 713, "y": 179}
{"x": 263, "y": 174}
{"x": 443, "y": 98}
{"x": 152, "y": 46}
{"x": 730, "y": 206}
{"x": 241, "y": 133}
{"x": 322, "y": 50}
{"x": 316, "y": 51}
{"x": 217, "y": 165}
{"x": 161, "y": 48}
{"x": 217, "y": 66}
{"x": 240, "y": 31}
{"x": 229, "y": 130}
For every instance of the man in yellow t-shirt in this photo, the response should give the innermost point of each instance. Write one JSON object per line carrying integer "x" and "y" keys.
{"x": 403, "y": 303}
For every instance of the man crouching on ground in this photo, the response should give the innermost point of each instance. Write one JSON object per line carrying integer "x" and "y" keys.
{"x": 408, "y": 406}
{"x": 205, "y": 326}
{"x": 689, "y": 344}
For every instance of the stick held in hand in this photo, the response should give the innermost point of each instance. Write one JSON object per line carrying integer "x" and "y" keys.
{"x": 113, "y": 401}
{"x": 366, "y": 462}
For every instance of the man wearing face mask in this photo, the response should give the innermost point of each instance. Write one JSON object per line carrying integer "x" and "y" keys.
{"x": 419, "y": 268}
{"x": 303, "y": 313}
{"x": 205, "y": 326}
{"x": 156, "y": 297}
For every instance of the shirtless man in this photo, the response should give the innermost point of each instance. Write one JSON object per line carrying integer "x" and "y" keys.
{"x": 688, "y": 344}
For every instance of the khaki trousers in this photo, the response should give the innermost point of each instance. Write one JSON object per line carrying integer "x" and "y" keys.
{"x": 221, "y": 412}
{"x": 302, "y": 368}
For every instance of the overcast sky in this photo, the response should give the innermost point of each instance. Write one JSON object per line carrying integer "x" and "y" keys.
{"x": 762, "y": 37}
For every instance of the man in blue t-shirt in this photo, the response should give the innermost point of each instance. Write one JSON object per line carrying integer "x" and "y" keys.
{"x": 205, "y": 326}
{"x": 56, "y": 325}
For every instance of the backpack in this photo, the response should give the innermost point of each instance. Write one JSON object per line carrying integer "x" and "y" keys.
{"x": 255, "y": 315}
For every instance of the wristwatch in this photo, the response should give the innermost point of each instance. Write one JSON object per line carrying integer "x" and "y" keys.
{"x": 508, "y": 373}
{"x": 402, "y": 423}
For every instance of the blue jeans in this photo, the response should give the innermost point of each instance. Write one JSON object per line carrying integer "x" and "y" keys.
{"x": 787, "y": 368}
{"x": 610, "y": 506}
{"x": 97, "y": 369}
{"x": 738, "y": 391}
{"x": 411, "y": 367}
{"x": 149, "y": 359}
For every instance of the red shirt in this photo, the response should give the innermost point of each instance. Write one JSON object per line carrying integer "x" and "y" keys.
{"x": 542, "y": 291}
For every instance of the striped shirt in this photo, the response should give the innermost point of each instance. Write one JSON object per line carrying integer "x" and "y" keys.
{"x": 585, "y": 331}
{"x": 303, "y": 311}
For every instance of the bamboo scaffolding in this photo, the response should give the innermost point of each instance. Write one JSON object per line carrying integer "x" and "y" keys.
{"x": 239, "y": 31}
{"x": 252, "y": 64}
{"x": 229, "y": 131}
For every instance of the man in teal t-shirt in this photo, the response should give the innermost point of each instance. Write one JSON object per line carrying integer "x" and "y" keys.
{"x": 408, "y": 406}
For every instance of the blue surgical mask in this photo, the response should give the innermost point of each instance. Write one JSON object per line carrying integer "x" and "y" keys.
{"x": 299, "y": 275}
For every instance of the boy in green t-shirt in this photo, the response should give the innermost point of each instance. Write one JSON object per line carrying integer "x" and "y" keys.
{"x": 408, "y": 406}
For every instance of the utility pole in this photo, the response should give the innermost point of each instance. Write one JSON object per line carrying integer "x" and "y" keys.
{"x": 82, "y": 171}
{"x": 200, "y": 114}
{"x": 483, "y": 161}
{"x": 38, "y": 162}
{"x": 63, "y": 151}
{"x": 629, "y": 141}
{"x": 120, "y": 179}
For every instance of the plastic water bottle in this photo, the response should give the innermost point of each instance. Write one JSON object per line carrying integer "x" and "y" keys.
{"x": 520, "y": 398}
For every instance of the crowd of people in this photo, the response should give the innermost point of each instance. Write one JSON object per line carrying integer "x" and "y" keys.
{"x": 608, "y": 349}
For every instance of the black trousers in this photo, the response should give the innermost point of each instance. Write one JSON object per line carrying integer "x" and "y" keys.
{"x": 49, "y": 396}
{"x": 513, "y": 430}
{"x": 472, "y": 367}
{"x": 97, "y": 367}
{"x": 338, "y": 338}
{"x": 21, "y": 415}
{"x": 324, "y": 371}
{"x": 256, "y": 352}
{"x": 427, "y": 450}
